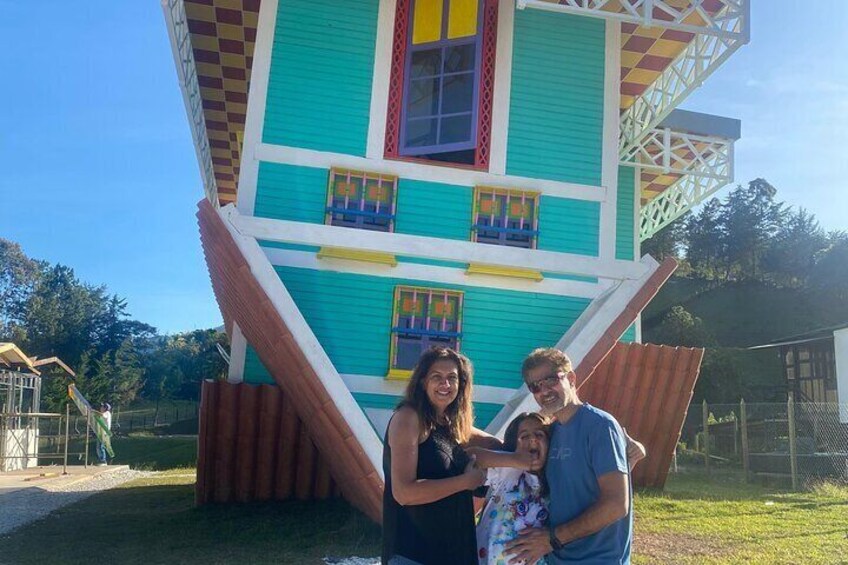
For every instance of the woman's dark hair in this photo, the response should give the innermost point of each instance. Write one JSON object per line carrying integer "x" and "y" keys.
{"x": 460, "y": 412}
{"x": 511, "y": 438}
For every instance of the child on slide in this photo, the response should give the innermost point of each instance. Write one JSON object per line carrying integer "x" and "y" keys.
{"x": 516, "y": 498}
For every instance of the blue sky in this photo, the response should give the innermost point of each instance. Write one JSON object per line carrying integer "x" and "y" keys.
{"x": 100, "y": 171}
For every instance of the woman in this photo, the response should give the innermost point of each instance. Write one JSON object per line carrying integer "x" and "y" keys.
{"x": 428, "y": 512}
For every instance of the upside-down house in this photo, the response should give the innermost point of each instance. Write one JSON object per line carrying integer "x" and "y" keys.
{"x": 382, "y": 176}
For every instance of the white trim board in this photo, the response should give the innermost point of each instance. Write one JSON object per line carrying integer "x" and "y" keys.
{"x": 425, "y": 172}
{"x": 238, "y": 355}
{"x": 432, "y": 273}
{"x": 611, "y": 124}
{"x": 306, "y": 341}
{"x": 503, "y": 88}
{"x": 257, "y": 99}
{"x": 368, "y": 384}
{"x": 381, "y": 77}
{"x": 286, "y": 231}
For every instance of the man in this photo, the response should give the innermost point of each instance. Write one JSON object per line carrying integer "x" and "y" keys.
{"x": 106, "y": 413}
{"x": 587, "y": 470}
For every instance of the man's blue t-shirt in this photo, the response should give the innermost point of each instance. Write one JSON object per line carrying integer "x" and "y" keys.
{"x": 589, "y": 445}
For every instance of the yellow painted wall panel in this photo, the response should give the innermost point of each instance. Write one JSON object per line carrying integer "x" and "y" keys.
{"x": 426, "y": 21}
{"x": 462, "y": 19}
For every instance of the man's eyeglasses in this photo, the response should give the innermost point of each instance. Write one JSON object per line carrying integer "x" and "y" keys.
{"x": 544, "y": 382}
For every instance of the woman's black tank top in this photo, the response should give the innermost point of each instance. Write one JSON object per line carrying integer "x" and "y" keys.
{"x": 438, "y": 533}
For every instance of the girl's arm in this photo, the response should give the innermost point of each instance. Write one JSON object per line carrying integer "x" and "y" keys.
{"x": 406, "y": 488}
{"x": 487, "y": 458}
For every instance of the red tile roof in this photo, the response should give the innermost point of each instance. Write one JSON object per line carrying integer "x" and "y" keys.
{"x": 648, "y": 389}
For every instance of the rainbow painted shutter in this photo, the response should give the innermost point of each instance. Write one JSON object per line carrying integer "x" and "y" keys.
{"x": 423, "y": 318}
{"x": 361, "y": 200}
{"x": 505, "y": 217}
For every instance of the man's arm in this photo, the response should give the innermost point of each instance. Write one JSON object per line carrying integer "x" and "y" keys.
{"x": 612, "y": 505}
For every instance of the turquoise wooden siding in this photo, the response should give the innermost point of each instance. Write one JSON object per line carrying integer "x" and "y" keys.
{"x": 319, "y": 89}
{"x": 557, "y": 99}
{"x": 569, "y": 226}
{"x": 624, "y": 230}
{"x": 484, "y": 412}
{"x": 434, "y": 210}
{"x": 629, "y": 336}
{"x": 254, "y": 371}
{"x": 351, "y": 316}
{"x": 289, "y": 192}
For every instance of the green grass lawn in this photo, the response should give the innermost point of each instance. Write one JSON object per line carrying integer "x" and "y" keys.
{"x": 722, "y": 519}
{"x": 143, "y": 451}
{"x": 698, "y": 519}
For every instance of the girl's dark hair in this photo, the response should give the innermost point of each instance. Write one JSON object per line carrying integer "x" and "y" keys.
{"x": 460, "y": 412}
{"x": 511, "y": 438}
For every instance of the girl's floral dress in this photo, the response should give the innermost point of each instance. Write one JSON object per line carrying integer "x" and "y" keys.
{"x": 514, "y": 502}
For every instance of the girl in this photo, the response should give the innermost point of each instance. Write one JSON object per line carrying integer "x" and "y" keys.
{"x": 517, "y": 488}
{"x": 428, "y": 511}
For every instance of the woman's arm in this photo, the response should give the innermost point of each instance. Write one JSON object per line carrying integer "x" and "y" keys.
{"x": 487, "y": 458}
{"x": 406, "y": 488}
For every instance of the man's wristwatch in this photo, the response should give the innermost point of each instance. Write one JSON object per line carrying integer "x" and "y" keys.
{"x": 556, "y": 545}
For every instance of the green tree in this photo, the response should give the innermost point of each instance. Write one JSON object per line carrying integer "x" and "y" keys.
{"x": 704, "y": 240}
{"x": 18, "y": 277}
{"x": 679, "y": 327}
{"x": 791, "y": 254}
{"x": 750, "y": 218}
{"x": 830, "y": 273}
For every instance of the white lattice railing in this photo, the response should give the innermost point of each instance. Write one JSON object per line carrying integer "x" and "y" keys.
{"x": 676, "y": 200}
{"x": 704, "y": 54}
{"x": 177, "y": 22}
{"x": 665, "y": 150}
{"x": 642, "y": 12}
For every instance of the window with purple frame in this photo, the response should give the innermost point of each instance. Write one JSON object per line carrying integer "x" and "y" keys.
{"x": 440, "y": 96}
{"x": 424, "y": 318}
{"x": 506, "y": 218}
{"x": 361, "y": 200}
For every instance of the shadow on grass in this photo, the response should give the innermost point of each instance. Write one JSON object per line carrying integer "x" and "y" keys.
{"x": 159, "y": 524}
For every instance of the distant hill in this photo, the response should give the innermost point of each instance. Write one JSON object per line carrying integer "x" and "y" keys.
{"x": 744, "y": 314}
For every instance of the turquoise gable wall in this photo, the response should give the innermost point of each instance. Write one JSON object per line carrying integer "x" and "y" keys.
{"x": 569, "y": 226}
{"x": 557, "y": 99}
{"x": 434, "y": 210}
{"x": 351, "y": 316}
{"x": 290, "y": 192}
{"x": 624, "y": 230}
{"x": 319, "y": 89}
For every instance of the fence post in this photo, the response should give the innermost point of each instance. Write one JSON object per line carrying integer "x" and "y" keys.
{"x": 87, "y": 425}
{"x": 793, "y": 453}
{"x": 67, "y": 435}
{"x": 744, "y": 416}
{"x": 706, "y": 416}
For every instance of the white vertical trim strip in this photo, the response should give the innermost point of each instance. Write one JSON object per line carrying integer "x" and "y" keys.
{"x": 503, "y": 88}
{"x": 609, "y": 157}
{"x": 257, "y": 100}
{"x": 238, "y": 354}
{"x": 380, "y": 81}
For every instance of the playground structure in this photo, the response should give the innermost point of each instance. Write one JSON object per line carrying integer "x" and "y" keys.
{"x": 383, "y": 176}
{"x": 20, "y": 407}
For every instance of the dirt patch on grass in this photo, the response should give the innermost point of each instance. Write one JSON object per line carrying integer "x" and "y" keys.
{"x": 674, "y": 548}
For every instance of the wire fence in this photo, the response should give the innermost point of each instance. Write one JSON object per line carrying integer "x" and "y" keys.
{"x": 803, "y": 443}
